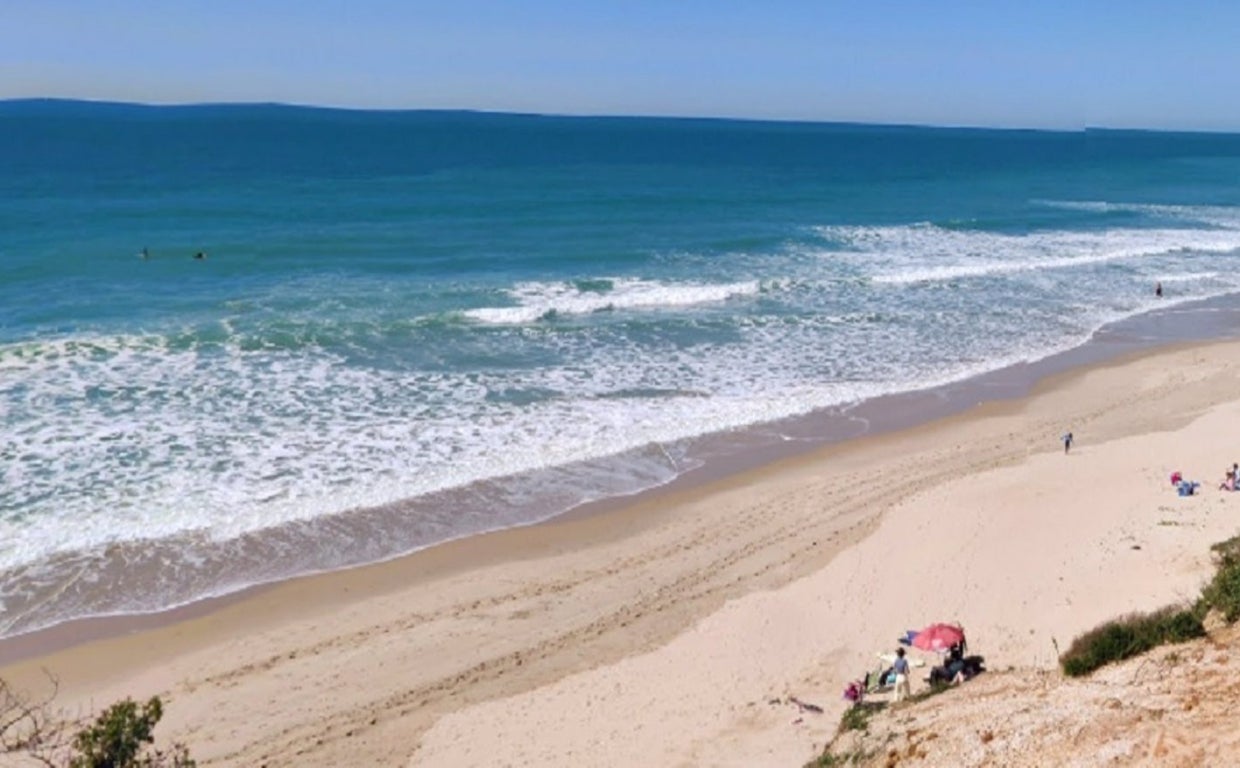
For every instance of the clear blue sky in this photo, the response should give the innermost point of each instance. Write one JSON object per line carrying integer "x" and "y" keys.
{"x": 1041, "y": 63}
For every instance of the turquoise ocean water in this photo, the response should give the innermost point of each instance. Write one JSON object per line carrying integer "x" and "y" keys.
{"x": 410, "y": 327}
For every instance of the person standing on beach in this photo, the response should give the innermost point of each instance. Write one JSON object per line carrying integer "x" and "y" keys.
{"x": 900, "y": 667}
{"x": 1067, "y": 442}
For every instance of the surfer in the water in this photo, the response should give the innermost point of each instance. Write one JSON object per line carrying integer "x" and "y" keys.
{"x": 200, "y": 256}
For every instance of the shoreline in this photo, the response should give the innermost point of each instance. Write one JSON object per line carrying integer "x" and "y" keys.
{"x": 739, "y": 452}
{"x": 659, "y": 632}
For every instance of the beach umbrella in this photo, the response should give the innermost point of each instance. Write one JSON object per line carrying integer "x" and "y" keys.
{"x": 938, "y": 637}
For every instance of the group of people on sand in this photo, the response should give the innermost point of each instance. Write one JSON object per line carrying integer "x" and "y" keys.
{"x": 1186, "y": 487}
{"x": 956, "y": 667}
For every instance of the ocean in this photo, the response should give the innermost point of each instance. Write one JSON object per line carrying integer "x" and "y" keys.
{"x": 410, "y": 327}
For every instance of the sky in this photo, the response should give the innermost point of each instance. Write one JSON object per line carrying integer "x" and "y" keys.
{"x": 1003, "y": 63}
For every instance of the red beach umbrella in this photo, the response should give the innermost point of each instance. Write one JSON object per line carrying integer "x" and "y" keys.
{"x": 938, "y": 637}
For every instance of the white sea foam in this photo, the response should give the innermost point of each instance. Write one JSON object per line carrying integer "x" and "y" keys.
{"x": 1190, "y": 277}
{"x": 538, "y": 301}
{"x": 927, "y": 253}
{"x": 120, "y": 438}
{"x": 1216, "y": 215}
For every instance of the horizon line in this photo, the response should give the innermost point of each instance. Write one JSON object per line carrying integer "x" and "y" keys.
{"x": 63, "y": 100}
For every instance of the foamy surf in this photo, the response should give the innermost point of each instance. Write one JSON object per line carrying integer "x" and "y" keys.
{"x": 545, "y": 301}
{"x": 927, "y": 253}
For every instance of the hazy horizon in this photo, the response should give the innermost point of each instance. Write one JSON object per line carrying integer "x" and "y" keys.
{"x": 1052, "y": 65}
{"x": 722, "y": 118}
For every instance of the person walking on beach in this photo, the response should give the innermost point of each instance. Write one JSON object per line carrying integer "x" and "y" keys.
{"x": 1067, "y": 442}
{"x": 900, "y": 667}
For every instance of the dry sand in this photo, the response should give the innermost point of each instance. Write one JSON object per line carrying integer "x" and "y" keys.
{"x": 661, "y": 634}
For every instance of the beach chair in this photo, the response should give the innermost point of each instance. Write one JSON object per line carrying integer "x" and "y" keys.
{"x": 878, "y": 681}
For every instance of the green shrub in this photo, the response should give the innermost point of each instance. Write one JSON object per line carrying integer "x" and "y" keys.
{"x": 119, "y": 737}
{"x": 1180, "y": 626}
{"x": 1129, "y": 636}
{"x": 857, "y": 717}
{"x": 830, "y": 759}
{"x": 1223, "y": 591}
{"x": 1227, "y": 551}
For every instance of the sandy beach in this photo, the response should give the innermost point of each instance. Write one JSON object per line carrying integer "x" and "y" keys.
{"x": 671, "y": 631}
